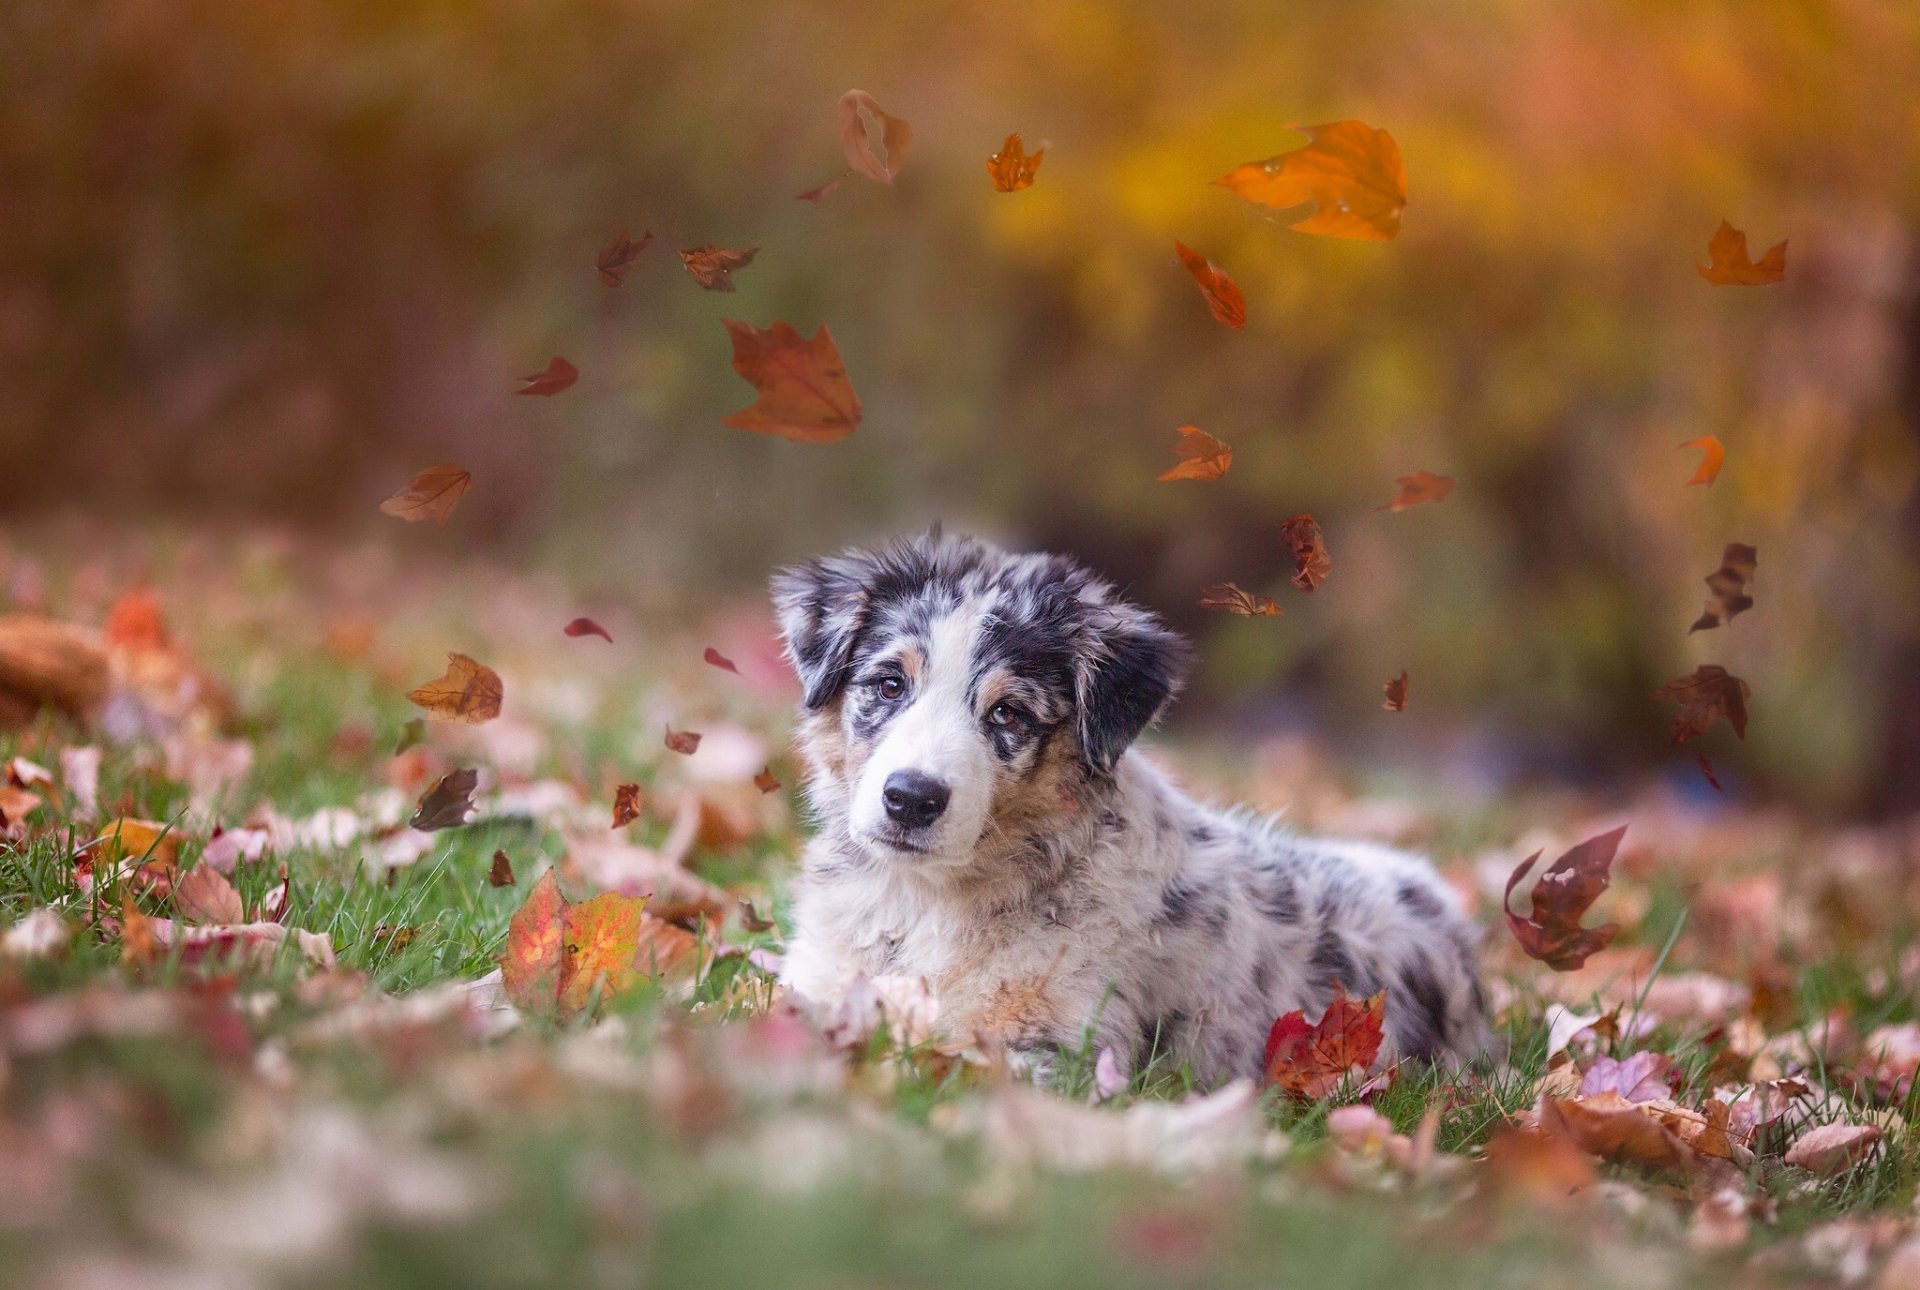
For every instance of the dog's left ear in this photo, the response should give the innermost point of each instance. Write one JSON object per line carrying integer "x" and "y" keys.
{"x": 822, "y": 606}
{"x": 1130, "y": 666}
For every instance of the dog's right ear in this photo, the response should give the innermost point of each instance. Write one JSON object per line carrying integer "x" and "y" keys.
{"x": 822, "y": 606}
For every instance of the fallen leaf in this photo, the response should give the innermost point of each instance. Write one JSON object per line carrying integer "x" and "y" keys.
{"x": 1728, "y": 584}
{"x": 1707, "y": 694}
{"x": 1706, "y": 768}
{"x": 751, "y": 920}
{"x": 432, "y": 495}
{"x": 896, "y": 136}
{"x": 1539, "y": 1169}
{"x": 1728, "y": 266}
{"x": 1713, "y": 455}
{"x": 765, "y": 781}
{"x": 613, "y": 263}
{"x": 587, "y": 627}
{"x": 561, "y": 957}
{"x": 1831, "y": 1149}
{"x": 1351, "y": 173}
{"x": 136, "y": 621}
{"x": 1311, "y": 562}
{"x": 1226, "y": 596}
{"x": 1420, "y": 486}
{"x": 804, "y": 390}
{"x": 1012, "y": 169}
{"x": 1561, "y": 897}
{"x": 1609, "y": 1126}
{"x": 815, "y": 194}
{"x": 1312, "y": 1061}
{"x": 1224, "y": 301}
{"x": 1641, "y": 1077}
{"x": 626, "y": 805}
{"x": 412, "y": 732}
{"x": 203, "y": 895}
{"x": 469, "y": 692}
{"x": 1201, "y": 456}
{"x": 501, "y": 874}
{"x": 559, "y": 375}
{"x": 685, "y": 742}
{"x": 716, "y": 659}
{"x": 1396, "y": 693}
{"x": 16, "y": 804}
{"x": 712, "y": 266}
{"x": 447, "y": 804}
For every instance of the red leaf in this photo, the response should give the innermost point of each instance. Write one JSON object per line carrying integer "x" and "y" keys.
{"x": 684, "y": 742}
{"x": 614, "y": 262}
{"x": 559, "y": 375}
{"x": 1707, "y": 694}
{"x": 1201, "y": 457}
{"x": 1713, "y": 455}
{"x": 432, "y": 495}
{"x": 1561, "y": 898}
{"x": 1729, "y": 266}
{"x": 1396, "y": 692}
{"x": 1224, "y": 301}
{"x": 1313, "y": 1061}
{"x": 626, "y": 805}
{"x": 719, "y": 660}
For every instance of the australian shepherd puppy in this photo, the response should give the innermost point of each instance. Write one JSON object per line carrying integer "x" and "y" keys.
{"x": 967, "y": 720}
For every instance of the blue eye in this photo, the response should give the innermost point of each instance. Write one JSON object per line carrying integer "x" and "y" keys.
{"x": 1003, "y": 714}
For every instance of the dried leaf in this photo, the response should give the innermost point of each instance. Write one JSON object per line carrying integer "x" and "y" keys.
{"x": 1201, "y": 456}
{"x": 468, "y": 692}
{"x": 1312, "y": 1061}
{"x": 1011, "y": 168}
{"x": 561, "y": 957}
{"x": 1641, "y": 1077}
{"x": 432, "y": 495}
{"x": 712, "y": 266}
{"x": 559, "y": 375}
{"x": 1609, "y": 1126}
{"x": 1311, "y": 562}
{"x": 685, "y": 742}
{"x": 1351, "y": 173}
{"x": 1224, "y": 301}
{"x": 1561, "y": 898}
{"x": 1728, "y": 584}
{"x": 815, "y": 194}
{"x": 1706, "y": 768}
{"x": 751, "y": 920}
{"x": 765, "y": 781}
{"x": 626, "y": 805}
{"x": 1396, "y": 693}
{"x": 1831, "y": 1149}
{"x": 1420, "y": 486}
{"x": 587, "y": 627}
{"x": 448, "y": 803}
{"x": 715, "y": 658}
{"x": 501, "y": 872}
{"x": 412, "y": 732}
{"x": 1707, "y": 694}
{"x": 614, "y": 262}
{"x": 804, "y": 390}
{"x": 203, "y": 895}
{"x": 1227, "y": 596}
{"x": 1728, "y": 265}
{"x": 896, "y": 136}
{"x": 1713, "y": 455}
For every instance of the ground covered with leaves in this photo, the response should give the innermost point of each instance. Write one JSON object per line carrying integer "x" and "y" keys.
{"x": 326, "y": 959}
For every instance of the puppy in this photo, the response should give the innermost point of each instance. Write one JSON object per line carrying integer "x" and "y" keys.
{"x": 966, "y": 721}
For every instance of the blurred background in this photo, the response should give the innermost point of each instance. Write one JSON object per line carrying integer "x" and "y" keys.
{"x": 261, "y": 263}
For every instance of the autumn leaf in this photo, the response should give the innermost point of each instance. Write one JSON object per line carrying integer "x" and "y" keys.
{"x": 1311, "y": 562}
{"x": 203, "y": 895}
{"x": 750, "y": 919}
{"x": 136, "y": 621}
{"x": 501, "y": 873}
{"x": 1705, "y": 695}
{"x": 561, "y": 957}
{"x": 716, "y": 659}
{"x": 432, "y": 495}
{"x": 412, "y": 732}
{"x": 1706, "y": 768}
{"x": 1609, "y": 1126}
{"x": 1728, "y": 265}
{"x": 815, "y": 194}
{"x": 1831, "y": 1149}
{"x": 1713, "y": 456}
{"x": 1350, "y": 172}
{"x": 712, "y": 266}
{"x": 1201, "y": 456}
{"x": 559, "y": 375}
{"x": 587, "y": 627}
{"x": 1312, "y": 1061}
{"x": 1728, "y": 584}
{"x": 765, "y": 781}
{"x": 1012, "y": 169}
{"x": 626, "y": 805}
{"x": 1420, "y": 486}
{"x": 685, "y": 742}
{"x": 804, "y": 390}
{"x": 614, "y": 262}
{"x": 1224, "y": 301}
{"x": 448, "y": 803}
{"x": 469, "y": 692}
{"x": 896, "y": 136}
{"x": 1228, "y": 597}
{"x": 1562, "y": 896}
{"x": 1396, "y": 692}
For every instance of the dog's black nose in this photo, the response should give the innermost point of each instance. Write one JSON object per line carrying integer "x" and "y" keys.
{"x": 914, "y": 799}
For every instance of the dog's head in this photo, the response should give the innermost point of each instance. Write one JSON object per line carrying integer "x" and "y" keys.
{"x": 952, "y": 689}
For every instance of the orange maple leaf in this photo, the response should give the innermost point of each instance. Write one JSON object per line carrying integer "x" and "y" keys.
{"x": 432, "y": 495}
{"x": 1312, "y": 1061}
{"x": 1713, "y": 456}
{"x": 804, "y": 391}
{"x": 1420, "y": 486}
{"x": 561, "y": 957}
{"x": 1351, "y": 173}
{"x": 469, "y": 692}
{"x": 1201, "y": 456}
{"x": 712, "y": 266}
{"x": 1224, "y": 301}
{"x": 1729, "y": 266}
{"x": 1012, "y": 169}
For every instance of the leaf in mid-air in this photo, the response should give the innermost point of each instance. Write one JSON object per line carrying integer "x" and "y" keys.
{"x": 432, "y": 495}
{"x": 804, "y": 391}
{"x": 1351, "y": 174}
{"x": 1728, "y": 264}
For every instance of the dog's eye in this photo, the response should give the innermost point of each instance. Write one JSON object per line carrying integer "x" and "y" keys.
{"x": 1003, "y": 714}
{"x": 890, "y": 687}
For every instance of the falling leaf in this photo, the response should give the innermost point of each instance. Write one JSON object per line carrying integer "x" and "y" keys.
{"x": 895, "y": 137}
{"x": 1420, "y": 486}
{"x": 804, "y": 390}
{"x": 1706, "y": 768}
{"x": 1396, "y": 692}
{"x": 765, "y": 781}
{"x": 203, "y": 895}
{"x": 1351, "y": 173}
{"x": 1012, "y": 169}
{"x": 468, "y": 692}
{"x": 447, "y": 804}
{"x": 1728, "y": 584}
{"x": 561, "y": 957}
{"x": 1831, "y": 1149}
{"x": 412, "y": 732}
{"x": 1311, "y": 562}
{"x": 626, "y": 803}
{"x": 587, "y": 627}
{"x": 1224, "y": 301}
{"x": 1707, "y": 694}
{"x": 501, "y": 874}
{"x": 1226, "y": 596}
{"x": 1312, "y": 1061}
{"x": 432, "y": 495}
{"x": 614, "y": 262}
{"x": 716, "y": 659}
{"x": 712, "y": 266}
{"x": 1561, "y": 898}
{"x": 559, "y": 375}
{"x": 815, "y": 194}
{"x": 683, "y": 741}
{"x": 1201, "y": 456}
{"x": 751, "y": 920}
{"x": 1728, "y": 265}
{"x": 1713, "y": 454}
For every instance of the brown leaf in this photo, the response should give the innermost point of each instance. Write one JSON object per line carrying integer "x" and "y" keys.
{"x": 765, "y": 781}
{"x": 447, "y": 804}
{"x": 1201, "y": 456}
{"x": 1561, "y": 898}
{"x": 684, "y": 742}
{"x": 469, "y": 692}
{"x": 559, "y": 375}
{"x": 1728, "y": 265}
{"x": 1713, "y": 455}
{"x": 751, "y": 921}
{"x": 712, "y": 266}
{"x": 432, "y": 495}
{"x": 804, "y": 390}
{"x": 1420, "y": 486}
{"x": 501, "y": 874}
{"x": 715, "y": 658}
{"x": 1226, "y": 596}
{"x": 1311, "y": 562}
{"x": 1224, "y": 301}
{"x": 1706, "y": 768}
{"x": 1350, "y": 172}
{"x": 896, "y": 136}
{"x": 1396, "y": 692}
{"x": 815, "y": 194}
{"x": 1312, "y": 1061}
{"x": 1011, "y": 168}
{"x": 1706, "y": 695}
{"x": 587, "y": 627}
{"x": 203, "y": 895}
{"x": 1609, "y": 1126}
{"x": 1831, "y": 1149}
{"x": 1728, "y": 584}
{"x": 626, "y": 805}
{"x": 614, "y": 262}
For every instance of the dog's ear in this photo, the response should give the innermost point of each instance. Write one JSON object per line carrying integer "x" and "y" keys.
{"x": 822, "y": 607}
{"x": 1130, "y": 664}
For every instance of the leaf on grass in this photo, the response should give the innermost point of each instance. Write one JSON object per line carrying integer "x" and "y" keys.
{"x": 468, "y": 692}
{"x": 448, "y": 803}
{"x": 856, "y": 109}
{"x": 626, "y": 805}
{"x": 1728, "y": 584}
{"x": 1729, "y": 266}
{"x": 1831, "y": 1149}
{"x": 685, "y": 742}
{"x": 1311, "y": 562}
{"x": 432, "y": 495}
{"x": 1312, "y": 1061}
{"x": 1609, "y": 1126}
{"x": 804, "y": 390}
{"x": 203, "y": 895}
{"x": 715, "y": 658}
{"x": 765, "y": 781}
{"x": 587, "y": 627}
{"x": 1561, "y": 899}
{"x": 1230, "y": 598}
{"x": 1713, "y": 455}
{"x": 1706, "y": 768}
{"x": 815, "y": 194}
{"x": 501, "y": 873}
{"x": 559, "y": 375}
{"x": 561, "y": 957}
{"x": 1012, "y": 169}
{"x": 1224, "y": 301}
{"x": 1707, "y": 694}
{"x": 1351, "y": 173}
{"x": 1396, "y": 693}
{"x": 1642, "y": 1077}
{"x": 1201, "y": 456}
{"x": 712, "y": 266}
{"x": 614, "y": 262}
{"x": 1420, "y": 486}
{"x": 412, "y": 732}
